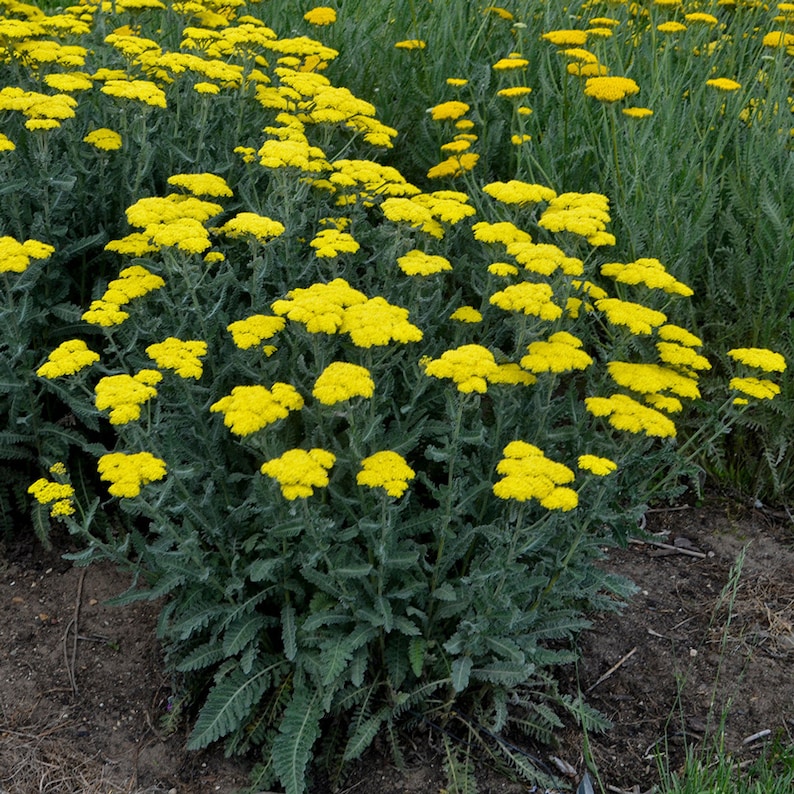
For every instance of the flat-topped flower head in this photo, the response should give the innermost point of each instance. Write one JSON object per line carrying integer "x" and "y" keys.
{"x": 320, "y": 15}
{"x": 469, "y": 367}
{"x": 254, "y": 330}
{"x": 249, "y": 409}
{"x": 58, "y": 496}
{"x": 528, "y": 298}
{"x": 388, "y": 470}
{"x": 759, "y": 388}
{"x": 601, "y": 467}
{"x": 376, "y": 322}
{"x": 759, "y": 358}
{"x": 181, "y": 356}
{"x": 517, "y": 192}
{"x": 648, "y": 378}
{"x": 300, "y": 471}
{"x": 647, "y": 271}
{"x": 637, "y": 318}
{"x": 67, "y": 359}
{"x": 127, "y": 472}
{"x": 320, "y": 307}
{"x": 610, "y": 88}
{"x": 105, "y": 139}
{"x": 449, "y": 111}
{"x": 418, "y": 263}
{"x": 250, "y": 224}
{"x": 561, "y": 352}
{"x": 341, "y": 381}
{"x": 625, "y": 413}
{"x": 328, "y": 243}
{"x": 15, "y": 256}
{"x": 202, "y": 184}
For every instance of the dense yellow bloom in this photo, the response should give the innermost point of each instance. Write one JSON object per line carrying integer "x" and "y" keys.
{"x": 201, "y": 184}
{"x": 329, "y": 243}
{"x": 514, "y": 92}
{"x": 58, "y": 495}
{"x": 760, "y": 358}
{"x": 503, "y": 232}
{"x": 511, "y": 374}
{"x": 517, "y": 192}
{"x": 248, "y": 409}
{"x": 652, "y": 378}
{"x": 6, "y": 144}
{"x": 455, "y": 147}
{"x": 674, "y": 333}
{"x": 777, "y": 38}
{"x": 625, "y": 413}
{"x": 681, "y": 356}
{"x": 246, "y": 224}
{"x": 126, "y": 473}
{"x": 104, "y": 139}
{"x": 376, "y": 322}
{"x": 105, "y": 314}
{"x": 469, "y": 367}
{"x": 206, "y": 88}
{"x": 254, "y": 330}
{"x": 566, "y": 38}
{"x": 320, "y": 15}
{"x": 755, "y": 387}
{"x": 186, "y": 234}
{"x": 664, "y": 402}
{"x": 528, "y": 298}
{"x": 67, "y": 359}
{"x": 411, "y": 44}
{"x": 502, "y": 269}
{"x": 706, "y": 19}
{"x": 184, "y": 357}
{"x": 671, "y": 27}
{"x": 457, "y": 82}
{"x": 583, "y": 214}
{"x": 637, "y": 318}
{"x": 133, "y": 244}
{"x": 300, "y": 471}
{"x": 454, "y": 166}
{"x": 500, "y": 12}
{"x": 544, "y": 258}
{"x": 388, "y": 470}
{"x": 510, "y": 63}
{"x": 596, "y": 465}
{"x": 528, "y": 474}
{"x": 320, "y": 307}
{"x": 448, "y": 111}
{"x": 561, "y": 352}
{"x": 418, "y": 263}
{"x": 137, "y": 90}
{"x": 15, "y": 256}
{"x": 153, "y": 210}
{"x": 125, "y": 394}
{"x": 341, "y": 381}
{"x": 637, "y": 113}
{"x": 466, "y": 314}
{"x": 647, "y": 271}
{"x": 723, "y": 84}
{"x": 134, "y": 282}
{"x": 610, "y": 89}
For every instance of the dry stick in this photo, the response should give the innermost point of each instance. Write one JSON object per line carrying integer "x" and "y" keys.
{"x": 699, "y": 554}
{"x": 756, "y": 736}
{"x": 74, "y": 623}
{"x": 613, "y": 668}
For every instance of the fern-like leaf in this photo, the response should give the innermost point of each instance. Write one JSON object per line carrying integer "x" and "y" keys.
{"x": 299, "y": 729}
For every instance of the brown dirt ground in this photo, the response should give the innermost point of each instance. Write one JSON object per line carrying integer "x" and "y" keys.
{"x": 83, "y": 712}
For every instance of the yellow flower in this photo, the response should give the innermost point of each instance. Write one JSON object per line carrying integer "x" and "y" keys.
{"x": 104, "y": 139}
{"x": 320, "y": 307}
{"x": 341, "y": 381}
{"x": 516, "y": 92}
{"x": 15, "y": 256}
{"x": 760, "y": 358}
{"x": 652, "y": 378}
{"x": 6, "y": 144}
{"x": 411, "y": 44}
{"x": 517, "y": 192}
{"x": 671, "y": 27}
{"x": 625, "y": 413}
{"x": 67, "y": 359}
{"x": 457, "y": 82}
{"x": 128, "y": 472}
{"x": 544, "y": 258}
{"x": 125, "y": 394}
{"x": 205, "y": 88}
{"x": 418, "y": 263}
{"x": 248, "y": 409}
{"x": 517, "y": 140}
{"x": 706, "y": 19}
{"x": 137, "y": 90}
{"x": 448, "y": 111}
{"x": 466, "y": 314}
{"x": 59, "y": 496}
{"x": 320, "y": 15}
{"x": 510, "y": 63}
{"x": 388, "y": 470}
{"x": 528, "y": 298}
{"x": 456, "y": 165}
{"x": 528, "y": 474}
{"x": 755, "y": 387}
{"x": 246, "y": 224}
{"x": 566, "y": 38}
{"x": 254, "y": 330}
{"x": 184, "y": 357}
{"x": 105, "y": 314}
{"x": 637, "y": 318}
{"x": 502, "y": 269}
{"x": 596, "y": 465}
{"x": 560, "y": 353}
{"x": 329, "y": 243}
{"x": 299, "y": 471}
{"x": 501, "y": 232}
{"x": 724, "y": 84}
{"x": 610, "y": 89}
{"x": 469, "y": 367}
{"x": 681, "y": 356}
{"x": 647, "y": 271}
{"x": 376, "y": 322}
{"x": 637, "y": 113}
{"x": 203, "y": 184}
{"x": 674, "y": 333}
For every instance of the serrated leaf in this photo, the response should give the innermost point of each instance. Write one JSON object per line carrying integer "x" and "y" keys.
{"x": 241, "y": 632}
{"x": 461, "y": 670}
{"x": 264, "y": 570}
{"x": 363, "y": 734}
{"x": 417, "y": 647}
{"x": 297, "y": 733}
{"x": 334, "y": 658}
{"x": 205, "y": 655}
{"x": 227, "y": 706}
{"x": 503, "y": 673}
{"x": 507, "y": 649}
{"x": 445, "y": 592}
{"x": 289, "y": 631}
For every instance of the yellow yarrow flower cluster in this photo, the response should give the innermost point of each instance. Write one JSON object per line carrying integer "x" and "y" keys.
{"x": 601, "y": 467}
{"x": 133, "y": 282}
{"x": 637, "y": 318}
{"x": 388, "y": 470}
{"x": 610, "y": 88}
{"x": 103, "y": 138}
{"x": 320, "y": 307}
{"x": 341, "y": 381}
{"x": 517, "y": 192}
{"x": 127, "y": 472}
{"x": 561, "y": 352}
{"x": 647, "y": 271}
{"x": 761, "y": 359}
{"x": 329, "y": 243}
{"x": 67, "y": 359}
{"x": 15, "y": 256}
{"x": 528, "y": 474}
{"x": 428, "y": 211}
{"x": 625, "y": 413}
{"x": 320, "y": 15}
{"x": 544, "y": 258}
{"x": 143, "y": 91}
{"x": 566, "y": 38}
{"x": 470, "y": 367}
{"x": 376, "y": 323}
{"x": 202, "y": 184}
{"x": 648, "y": 378}
{"x": 418, "y": 263}
{"x": 250, "y": 224}
{"x": 183, "y": 357}
{"x": 466, "y": 314}
{"x": 249, "y": 409}
{"x": 125, "y": 394}
{"x": 59, "y": 496}
{"x": 254, "y": 330}
{"x": 300, "y": 471}
{"x": 503, "y": 232}
{"x": 528, "y": 298}
{"x": 583, "y": 214}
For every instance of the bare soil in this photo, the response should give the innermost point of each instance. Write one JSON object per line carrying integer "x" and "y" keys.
{"x": 84, "y": 700}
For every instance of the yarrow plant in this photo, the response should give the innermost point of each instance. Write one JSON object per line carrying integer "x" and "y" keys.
{"x": 369, "y": 427}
